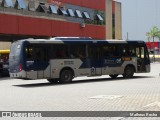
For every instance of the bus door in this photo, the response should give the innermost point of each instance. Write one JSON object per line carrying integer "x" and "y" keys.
{"x": 96, "y": 60}
{"x": 143, "y": 62}
{"x": 37, "y": 62}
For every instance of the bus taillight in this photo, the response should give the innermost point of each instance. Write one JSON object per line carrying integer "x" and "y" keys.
{"x": 20, "y": 67}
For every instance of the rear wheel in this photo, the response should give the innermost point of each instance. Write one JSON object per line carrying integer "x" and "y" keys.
{"x": 128, "y": 72}
{"x": 66, "y": 76}
{"x": 53, "y": 80}
{"x": 113, "y": 76}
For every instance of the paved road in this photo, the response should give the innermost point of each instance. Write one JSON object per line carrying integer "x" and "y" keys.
{"x": 141, "y": 93}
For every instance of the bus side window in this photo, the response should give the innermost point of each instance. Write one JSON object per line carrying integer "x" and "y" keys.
{"x": 115, "y": 51}
{"x": 41, "y": 54}
{"x": 126, "y": 52}
{"x": 77, "y": 51}
{"x": 93, "y": 51}
{"x": 132, "y": 51}
{"x": 106, "y": 51}
{"x": 29, "y": 53}
{"x": 60, "y": 54}
{"x": 112, "y": 51}
{"x": 137, "y": 52}
{"x": 60, "y": 51}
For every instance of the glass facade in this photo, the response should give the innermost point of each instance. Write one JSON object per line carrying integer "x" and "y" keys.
{"x": 99, "y": 17}
{"x": 53, "y": 9}
{"x": 21, "y": 4}
{"x": 62, "y": 11}
{"x": 78, "y": 13}
{"x": 8, "y": 3}
{"x": 86, "y": 15}
{"x": 71, "y": 13}
{"x": 42, "y": 7}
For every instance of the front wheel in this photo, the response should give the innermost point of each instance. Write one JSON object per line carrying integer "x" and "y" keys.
{"x": 128, "y": 72}
{"x": 113, "y": 76}
{"x": 66, "y": 76}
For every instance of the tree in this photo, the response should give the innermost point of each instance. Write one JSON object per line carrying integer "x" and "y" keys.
{"x": 152, "y": 34}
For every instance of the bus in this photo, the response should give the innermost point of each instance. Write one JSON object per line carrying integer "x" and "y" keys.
{"x": 61, "y": 59}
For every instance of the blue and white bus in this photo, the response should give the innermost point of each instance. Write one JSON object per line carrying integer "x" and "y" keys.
{"x": 63, "y": 58}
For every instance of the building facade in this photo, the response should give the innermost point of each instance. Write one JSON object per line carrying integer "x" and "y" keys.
{"x": 153, "y": 47}
{"x": 19, "y": 19}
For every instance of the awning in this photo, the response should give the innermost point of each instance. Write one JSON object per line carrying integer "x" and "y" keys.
{"x": 4, "y": 51}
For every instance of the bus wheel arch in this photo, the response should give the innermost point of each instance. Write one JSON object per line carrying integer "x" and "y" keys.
{"x": 66, "y": 75}
{"x": 129, "y": 71}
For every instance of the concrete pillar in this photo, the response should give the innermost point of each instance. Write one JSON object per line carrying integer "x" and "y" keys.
{"x": 108, "y": 14}
{"x": 5, "y": 45}
{"x": 118, "y": 21}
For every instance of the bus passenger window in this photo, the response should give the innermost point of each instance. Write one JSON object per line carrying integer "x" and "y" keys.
{"x": 40, "y": 54}
{"x": 111, "y": 51}
{"x": 77, "y": 51}
{"x": 60, "y": 54}
{"x": 142, "y": 52}
{"x": 81, "y": 55}
{"x": 106, "y": 51}
{"x": 127, "y": 52}
{"x": 137, "y": 52}
{"x": 115, "y": 51}
{"x": 29, "y": 53}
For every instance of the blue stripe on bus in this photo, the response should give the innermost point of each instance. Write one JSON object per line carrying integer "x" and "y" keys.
{"x": 37, "y": 66}
{"x": 102, "y": 62}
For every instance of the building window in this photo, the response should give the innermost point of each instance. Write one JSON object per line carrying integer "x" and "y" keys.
{"x": 42, "y": 8}
{"x": 99, "y": 17}
{"x": 62, "y": 11}
{"x": 20, "y": 4}
{"x": 78, "y": 14}
{"x": 7, "y": 3}
{"x": 86, "y": 15}
{"x": 71, "y": 13}
{"x": 31, "y": 5}
{"x": 53, "y": 9}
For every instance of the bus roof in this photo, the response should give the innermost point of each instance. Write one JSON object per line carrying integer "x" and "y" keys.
{"x": 75, "y": 40}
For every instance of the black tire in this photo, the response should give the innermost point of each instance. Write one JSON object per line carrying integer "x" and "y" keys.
{"x": 52, "y": 81}
{"x": 66, "y": 76}
{"x": 113, "y": 76}
{"x": 128, "y": 72}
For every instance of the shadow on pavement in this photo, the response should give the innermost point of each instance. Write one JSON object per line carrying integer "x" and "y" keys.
{"x": 79, "y": 82}
{"x": 5, "y": 78}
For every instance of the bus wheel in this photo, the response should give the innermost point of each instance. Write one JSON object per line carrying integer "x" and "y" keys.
{"x": 66, "y": 76}
{"x": 113, "y": 76}
{"x": 53, "y": 80}
{"x": 128, "y": 72}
